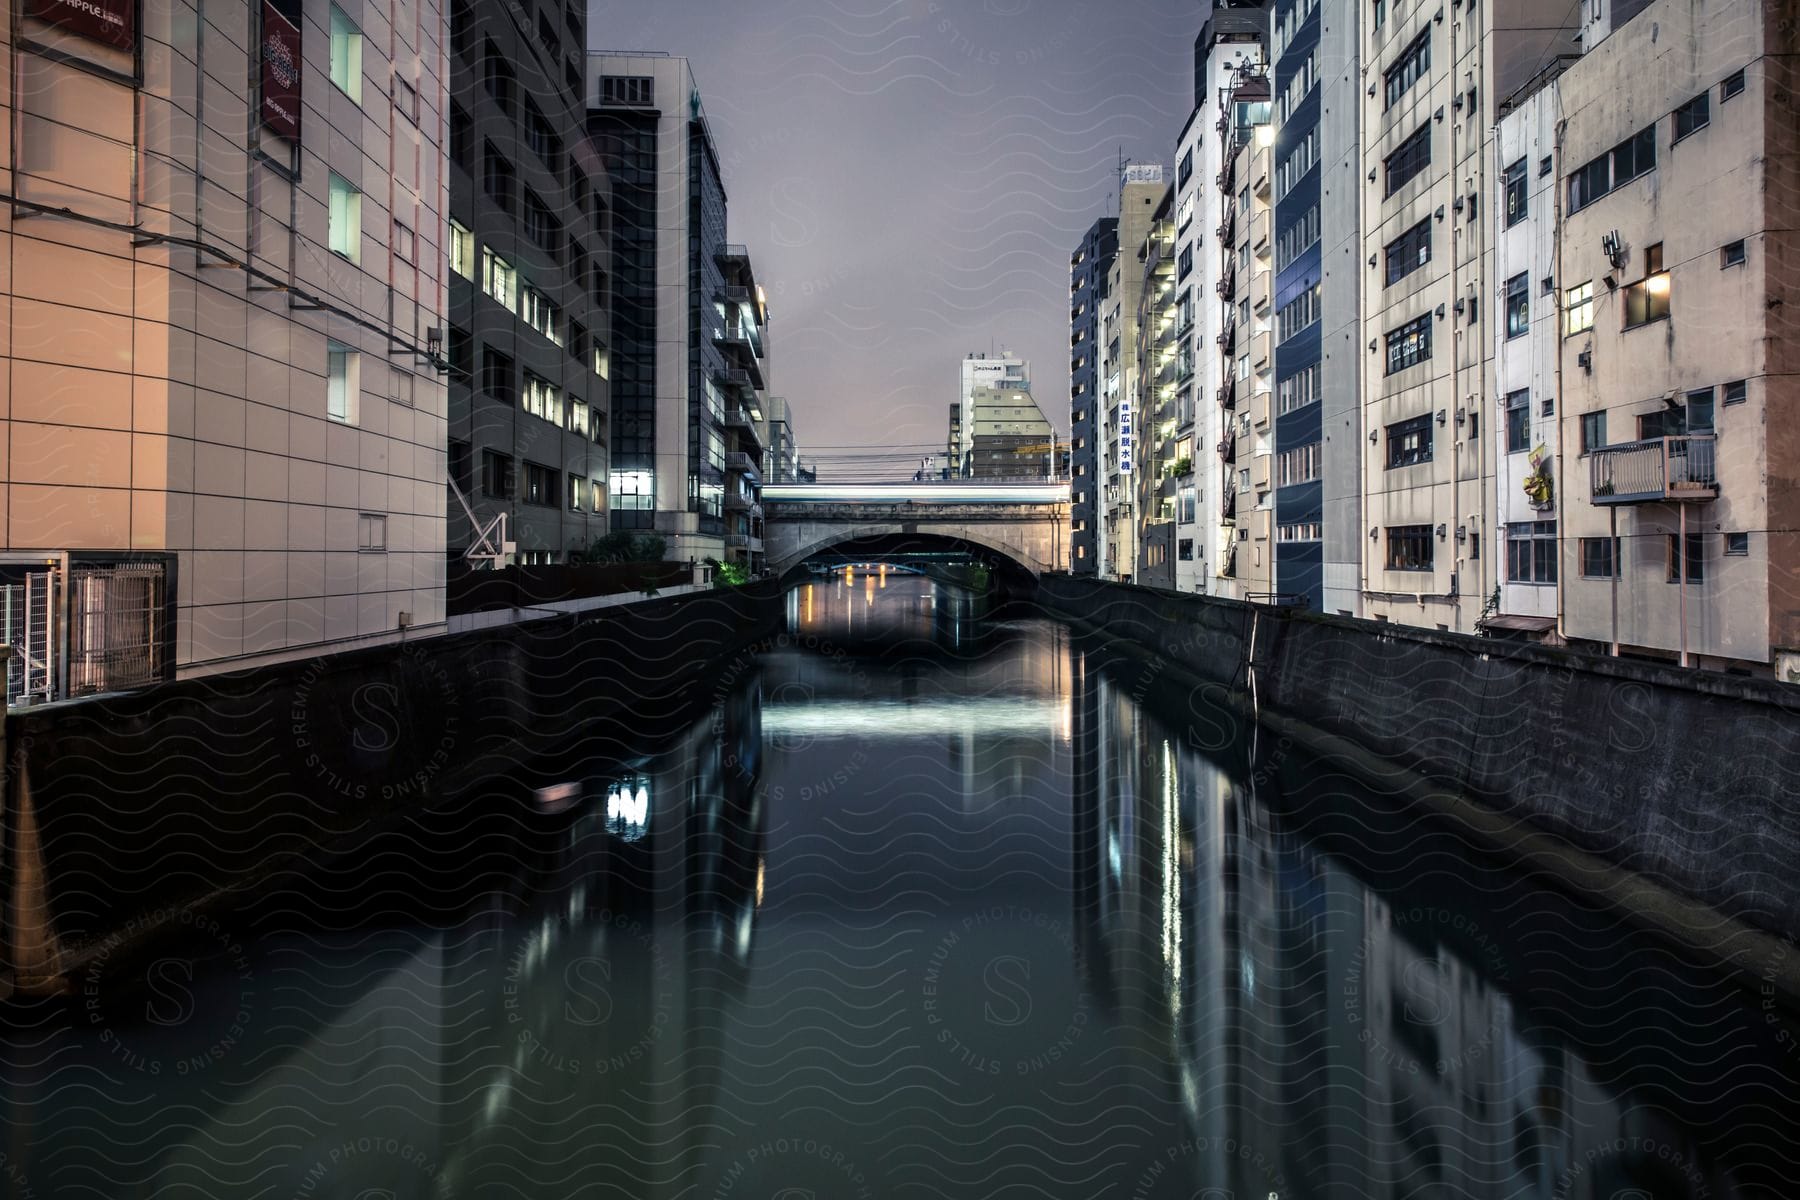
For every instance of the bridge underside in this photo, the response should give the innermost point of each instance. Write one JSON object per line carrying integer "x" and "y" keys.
{"x": 933, "y": 553}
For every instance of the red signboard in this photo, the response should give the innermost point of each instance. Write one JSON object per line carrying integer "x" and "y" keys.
{"x": 280, "y": 73}
{"x": 109, "y": 22}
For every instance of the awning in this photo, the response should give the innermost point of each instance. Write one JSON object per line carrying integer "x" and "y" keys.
{"x": 1522, "y": 624}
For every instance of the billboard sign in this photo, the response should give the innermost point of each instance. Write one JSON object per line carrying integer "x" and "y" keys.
{"x": 109, "y": 22}
{"x": 280, "y": 73}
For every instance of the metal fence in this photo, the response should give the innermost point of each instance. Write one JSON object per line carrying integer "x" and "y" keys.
{"x": 95, "y": 628}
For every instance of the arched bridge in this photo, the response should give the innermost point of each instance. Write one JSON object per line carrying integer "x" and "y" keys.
{"x": 1025, "y": 524}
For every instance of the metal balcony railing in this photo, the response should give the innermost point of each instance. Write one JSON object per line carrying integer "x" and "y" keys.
{"x": 737, "y": 460}
{"x": 1681, "y": 468}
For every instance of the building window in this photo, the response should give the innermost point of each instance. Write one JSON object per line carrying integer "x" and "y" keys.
{"x": 1733, "y": 85}
{"x": 1297, "y": 390}
{"x": 371, "y": 533}
{"x": 496, "y": 475}
{"x": 1409, "y": 442}
{"x": 1578, "y": 308}
{"x": 462, "y": 250}
{"x": 1516, "y": 201}
{"x": 499, "y": 280}
{"x": 1545, "y": 166}
{"x": 497, "y": 76}
{"x": 1732, "y": 254}
{"x": 405, "y": 247}
{"x": 1737, "y": 544}
{"x": 632, "y": 490}
{"x": 1380, "y": 12}
{"x": 1693, "y": 115}
{"x": 342, "y": 382}
{"x": 1298, "y": 465}
{"x": 497, "y": 177}
{"x": 1414, "y": 61}
{"x": 541, "y": 484}
{"x": 578, "y": 418}
{"x": 1299, "y": 531}
{"x": 1409, "y": 548}
{"x": 1412, "y": 157}
{"x": 1647, "y": 300}
{"x": 1696, "y": 558}
{"x": 1300, "y": 235}
{"x": 1593, "y": 432}
{"x": 1599, "y": 558}
{"x": 597, "y": 495}
{"x": 1299, "y": 313}
{"x": 1736, "y": 392}
{"x": 1408, "y": 252}
{"x": 1409, "y": 345}
{"x": 497, "y": 378}
{"x": 1185, "y": 171}
{"x": 577, "y": 485}
{"x": 636, "y": 91}
{"x": 346, "y": 55}
{"x": 536, "y": 311}
{"x": 462, "y": 134}
{"x": 1518, "y": 306}
{"x": 1531, "y": 552}
{"x": 1184, "y": 549}
{"x": 1631, "y": 158}
{"x": 344, "y": 219}
{"x": 1518, "y": 421}
{"x": 542, "y": 400}
{"x": 540, "y": 225}
{"x": 1184, "y": 265}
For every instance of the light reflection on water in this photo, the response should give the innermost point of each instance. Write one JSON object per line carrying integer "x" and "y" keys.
{"x": 930, "y": 902}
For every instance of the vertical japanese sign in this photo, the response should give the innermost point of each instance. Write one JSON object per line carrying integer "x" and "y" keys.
{"x": 280, "y": 73}
{"x": 109, "y": 22}
{"x": 1126, "y": 434}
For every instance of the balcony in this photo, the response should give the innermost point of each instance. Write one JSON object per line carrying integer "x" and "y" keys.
{"x": 743, "y": 464}
{"x": 1262, "y": 288}
{"x": 1227, "y": 340}
{"x": 1259, "y": 172}
{"x": 1259, "y": 348}
{"x": 1262, "y": 228}
{"x": 740, "y": 502}
{"x": 1227, "y": 285}
{"x": 1679, "y": 469}
{"x": 744, "y": 541}
{"x": 737, "y": 378}
{"x": 738, "y": 419}
{"x": 732, "y": 254}
{"x": 1228, "y": 395}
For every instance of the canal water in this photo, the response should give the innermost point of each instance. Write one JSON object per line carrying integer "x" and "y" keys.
{"x": 922, "y": 901}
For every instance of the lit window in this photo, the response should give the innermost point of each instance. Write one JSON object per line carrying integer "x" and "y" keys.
{"x": 346, "y": 55}
{"x": 1518, "y": 306}
{"x": 462, "y": 251}
{"x": 344, "y": 219}
{"x": 340, "y": 383}
{"x": 499, "y": 280}
{"x": 1578, "y": 308}
{"x": 1648, "y": 299}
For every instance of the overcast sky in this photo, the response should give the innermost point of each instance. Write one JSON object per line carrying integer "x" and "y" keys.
{"x": 911, "y": 176}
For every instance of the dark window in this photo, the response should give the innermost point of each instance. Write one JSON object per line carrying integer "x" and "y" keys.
{"x": 1184, "y": 549}
{"x": 460, "y": 351}
{"x": 496, "y": 475}
{"x": 1186, "y": 171}
{"x": 1412, "y": 157}
{"x": 541, "y": 485}
{"x": 1693, "y": 115}
{"x": 636, "y": 91}
{"x": 1515, "y": 193}
{"x": 1736, "y": 392}
{"x": 1737, "y": 543}
{"x": 1531, "y": 552}
{"x": 1593, "y": 431}
{"x": 1548, "y": 408}
{"x": 1733, "y": 84}
{"x": 1545, "y": 166}
{"x": 540, "y": 225}
{"x": 1408, "y": 252}
{"x": 1700, "y": 410}
{"x": 497, "y": 177}
{"x": 1732, "y": 254}
{"x": 497, "y": 377}
{"x": 1474, "y": 546}
{"x": 1414, "y": 61}
{"x": 1409, "y": 345}
{"x": 461, "y": 138}
{"x": 1184, "y": 265}
{"x": 1599, "y": 558}
{"x": 462, "y": 466}
{"x": 1696, "y": 558}
{"x": 1518, "y": 306}
{"x": 1409, "y": 548}
{"x": 1409, "y": 442}
{"x": 547, "y": 35}
{"x": 1634, "y": 156}
{"x": 498, "y": 77}
{"x": 1518, "y": 421}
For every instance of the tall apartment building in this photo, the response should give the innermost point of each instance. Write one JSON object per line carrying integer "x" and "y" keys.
{"x": 1163, "y": 372}
{"x": 529, "y": 326}
{"x": 1427, "y": 302}
{"x": 1520, "y": 413}
{"x": 689, "y": 325}
{"x": 1679, "y": 185}
{"x": 1245, "y": 392}
{"x": 1318, "y": 86}
{"x": 1089, "y": 268}
{"x": 977, "y": 370}
{"x": 1008, "y": 435}
{"x": 1141, "y": 188}
{"x": 225, "y": 276}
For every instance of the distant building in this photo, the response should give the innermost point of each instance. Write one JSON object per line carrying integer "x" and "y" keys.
{"x": 1007, "y": 434}
{"x": 983, "y": 371}
{"x": 1141, "y": 187}
{"x": 1089, "y": 269}
{"x": 1165, "y": 370}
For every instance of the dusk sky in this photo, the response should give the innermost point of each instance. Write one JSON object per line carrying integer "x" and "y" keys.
{"x": 912, "y": 175}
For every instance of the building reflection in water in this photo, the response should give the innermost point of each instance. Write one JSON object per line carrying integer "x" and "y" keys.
{"x": 930, "y": 901}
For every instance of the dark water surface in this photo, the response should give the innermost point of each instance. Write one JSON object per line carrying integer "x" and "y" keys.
{"x": 922, "y": 903}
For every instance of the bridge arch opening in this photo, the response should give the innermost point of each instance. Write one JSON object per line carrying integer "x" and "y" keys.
{"x": 938, "y": 554}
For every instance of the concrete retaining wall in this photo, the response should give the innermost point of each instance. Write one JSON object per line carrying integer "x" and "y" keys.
{"x": 1687, "y": 777}
{"x": 124, "y": 811}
